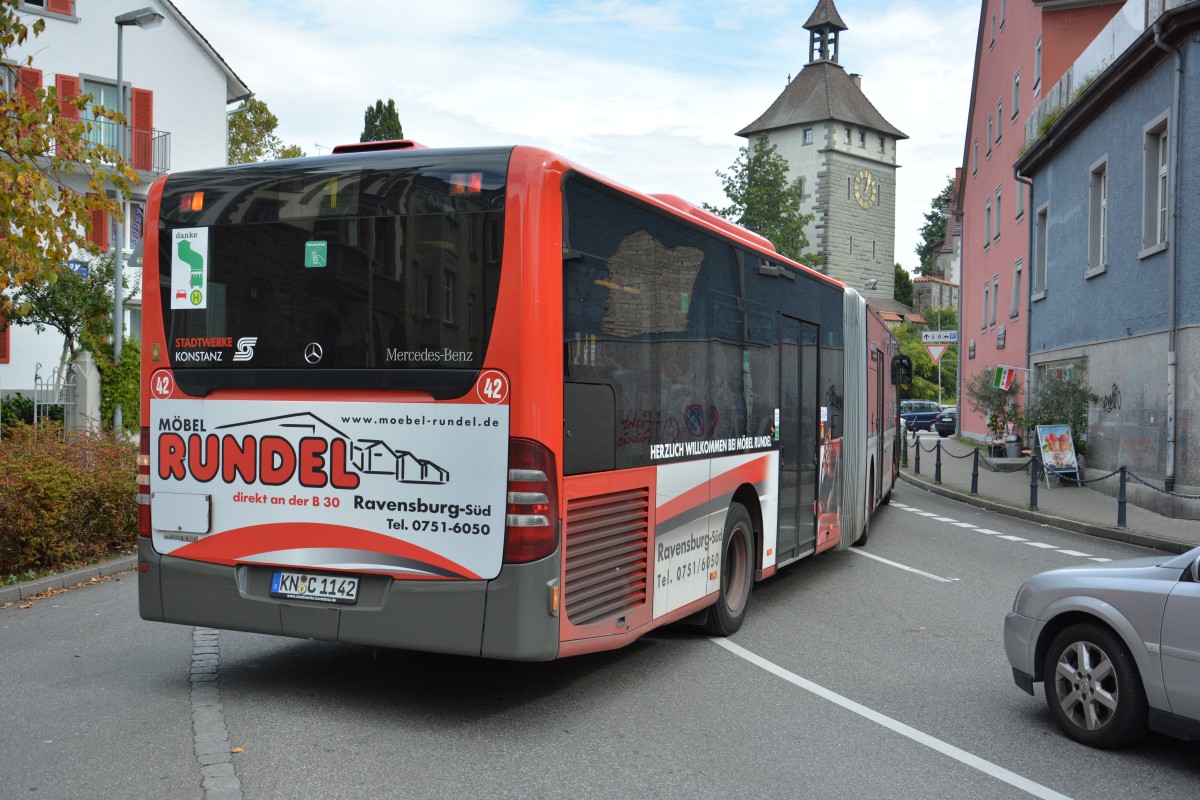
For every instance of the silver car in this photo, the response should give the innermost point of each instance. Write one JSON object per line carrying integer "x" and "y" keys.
{"x": 1117, "y": 646}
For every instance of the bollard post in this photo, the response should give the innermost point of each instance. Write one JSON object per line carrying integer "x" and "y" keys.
{"x": 937, "y": 462}
{"x": 1121, "y": 501}
{"x": 975, "y": 473}
{"x": 917, "y": 457}
{"x": 1034, "y": 468}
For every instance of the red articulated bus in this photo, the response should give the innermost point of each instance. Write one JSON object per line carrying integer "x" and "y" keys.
{"x": 485, "y": 401}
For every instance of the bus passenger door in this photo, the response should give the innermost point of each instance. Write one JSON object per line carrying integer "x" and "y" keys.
{"x": 797, "y": 439}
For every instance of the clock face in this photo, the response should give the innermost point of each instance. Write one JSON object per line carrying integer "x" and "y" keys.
{"x": 866, "y": 189}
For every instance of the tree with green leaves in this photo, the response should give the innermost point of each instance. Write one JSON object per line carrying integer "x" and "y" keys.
{"x": 43, "y": 141}
{"x": 902, "y": 290}
{"x": 381, "y": 123}
{"x": 925, "y": 373}
{"x": 934, "y": 229}
{"x": 252, "y": 135}
{"x": 79, "y": 305}
{"x": 762, "y": 199}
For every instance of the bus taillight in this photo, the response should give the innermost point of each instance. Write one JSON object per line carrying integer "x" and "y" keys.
{"x": 531, "y": 530}
{"x": 143, "y": 483}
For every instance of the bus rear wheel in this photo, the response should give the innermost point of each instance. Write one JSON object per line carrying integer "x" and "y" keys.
{"x": 737, "y": 574}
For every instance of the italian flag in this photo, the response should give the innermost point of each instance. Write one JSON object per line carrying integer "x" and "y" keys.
{"x": 1003, "y": 378}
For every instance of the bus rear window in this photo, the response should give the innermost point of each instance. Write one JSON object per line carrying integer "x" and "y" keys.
{"x": 326, "y": 271}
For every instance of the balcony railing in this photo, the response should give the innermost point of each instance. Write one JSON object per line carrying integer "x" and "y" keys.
{"x": 149, "y": 150}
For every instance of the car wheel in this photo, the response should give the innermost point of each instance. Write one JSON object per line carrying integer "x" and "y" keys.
{"x": 737, "y": 574}
{"x": 1093, "y": 687}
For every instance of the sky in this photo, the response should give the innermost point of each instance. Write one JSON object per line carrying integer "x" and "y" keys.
{"x": 649, "y": 93}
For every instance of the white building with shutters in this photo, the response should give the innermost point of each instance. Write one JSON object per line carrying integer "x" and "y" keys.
{"x": 177, "y": 91}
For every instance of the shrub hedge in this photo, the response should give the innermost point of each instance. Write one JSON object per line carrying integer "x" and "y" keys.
{"x": 67, "y": 498}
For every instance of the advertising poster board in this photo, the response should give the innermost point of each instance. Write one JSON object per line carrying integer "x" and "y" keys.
{"x": 1058, "y": 450}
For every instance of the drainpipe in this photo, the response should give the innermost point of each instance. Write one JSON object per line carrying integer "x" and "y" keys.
{"x": 1173, "y": 144}
{"x": 1032, "y": 217}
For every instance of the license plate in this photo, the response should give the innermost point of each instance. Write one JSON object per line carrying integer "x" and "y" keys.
{"x": 316, "y": 587}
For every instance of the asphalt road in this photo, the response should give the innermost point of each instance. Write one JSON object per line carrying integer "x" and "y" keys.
{"x": 873, "y": 672}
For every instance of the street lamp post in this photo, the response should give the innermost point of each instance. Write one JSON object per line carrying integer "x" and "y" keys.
{"x": 143, "y": 18}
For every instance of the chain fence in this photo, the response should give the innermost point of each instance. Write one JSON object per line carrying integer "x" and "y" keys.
{"x": 1036, "y": 469}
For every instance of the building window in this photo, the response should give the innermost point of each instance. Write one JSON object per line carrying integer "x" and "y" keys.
{"x": 882, "y": 144}
{"x": 846, "y": 135}
{"x": 999, "y": 116}
{"x": 1020, "y": 201}
{"x": 1040, "y": 252}
{"x": 1154, "y": 214}
{"x": 995, "y": 298}
{"x": 808, "y": 135}
{"x": 1003, "y": 12}
{"x": 974, "y": 156}
{"x": 993, "y": 37}
{"x": 996, "y": 232}
{"x": 983, "y": 322}
{"x": 1037, "y": 64}
{"x": 862, "y": 139}
{"x": 103, "y": 94}
{"x": 1098, "y": 217}
{"x": 1015, "y": 310}
{"x": 987, "y": 223}
{"x": 1016, "y": 95}
{"x": 991, "y": 130}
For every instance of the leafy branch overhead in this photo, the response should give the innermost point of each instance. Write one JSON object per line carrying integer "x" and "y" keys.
{"x": 44, "y": 139}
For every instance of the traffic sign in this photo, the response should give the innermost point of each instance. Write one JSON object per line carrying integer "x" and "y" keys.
{"x": 940, "y": 336}
{"x": 936, "y": 351}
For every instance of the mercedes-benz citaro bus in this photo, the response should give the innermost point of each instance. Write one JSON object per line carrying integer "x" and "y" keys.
{"x": 485, "y": 401}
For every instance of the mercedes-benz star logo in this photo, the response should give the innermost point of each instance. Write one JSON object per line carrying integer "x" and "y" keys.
{"x": 313, "y": 353}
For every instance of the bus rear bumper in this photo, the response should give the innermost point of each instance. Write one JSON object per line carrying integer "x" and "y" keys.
{"x": 508, "y": 617}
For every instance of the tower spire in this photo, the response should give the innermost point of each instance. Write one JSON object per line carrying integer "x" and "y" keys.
{"x": 823, "y": 26}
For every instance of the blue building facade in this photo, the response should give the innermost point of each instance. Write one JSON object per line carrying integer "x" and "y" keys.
{"x": 1114, "y": 258}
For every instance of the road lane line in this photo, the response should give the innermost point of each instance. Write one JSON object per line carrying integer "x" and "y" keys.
{"x": 902, "y": 566}
{"x": 965, "y": 525}
{"x": 933, "y": 743}
{"x": 990, "y": 532}
{"x": 1043, "y": 545}
{"x": 944, "y": 519}
{"x": 1075, "y": 553}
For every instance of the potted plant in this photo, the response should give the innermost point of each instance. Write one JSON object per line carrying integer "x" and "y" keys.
{"x": 998, "y": 407}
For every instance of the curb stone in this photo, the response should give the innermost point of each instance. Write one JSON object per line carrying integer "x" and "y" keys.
{"x": 66, "y": 580}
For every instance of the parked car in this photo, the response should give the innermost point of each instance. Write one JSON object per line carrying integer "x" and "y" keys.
{"x": 1117, "y": 646}
{"x": 946, "y": 423}
{"x": 918, "y": 415}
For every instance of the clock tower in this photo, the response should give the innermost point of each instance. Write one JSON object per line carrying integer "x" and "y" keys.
{"x": 844, "y": 151}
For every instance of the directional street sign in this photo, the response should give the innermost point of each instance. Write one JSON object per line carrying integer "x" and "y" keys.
{"x": 950, "y": 337}
{"x": 936, "y": 351}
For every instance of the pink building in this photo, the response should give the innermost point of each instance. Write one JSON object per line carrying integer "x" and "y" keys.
{"x": 1023, "y": 48}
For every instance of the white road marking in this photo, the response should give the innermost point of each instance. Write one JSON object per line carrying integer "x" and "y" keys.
{"x": 933, "y": 743}
{"x": 988, "y": 531}
{"x": 902, "y": 566}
